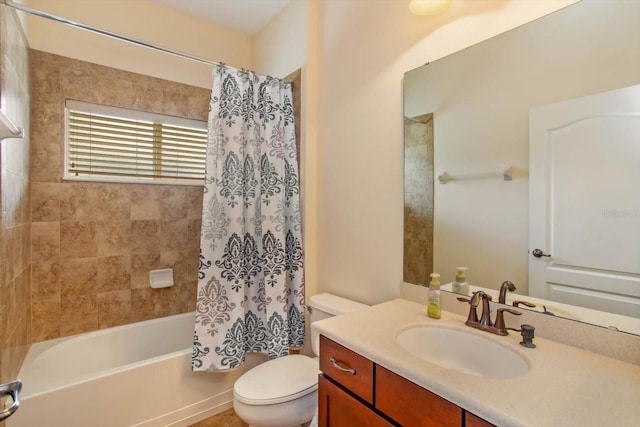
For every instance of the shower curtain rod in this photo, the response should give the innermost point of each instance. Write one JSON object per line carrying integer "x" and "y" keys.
{"x": 107, "y": 33}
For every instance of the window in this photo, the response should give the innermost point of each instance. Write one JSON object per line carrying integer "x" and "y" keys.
{"x": 105, "y": 143}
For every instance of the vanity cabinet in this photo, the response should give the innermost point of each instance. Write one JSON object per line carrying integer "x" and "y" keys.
{"x": 353, "y": 391}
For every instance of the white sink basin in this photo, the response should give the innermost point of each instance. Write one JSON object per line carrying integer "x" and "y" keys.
{"x": 462, "y": 351}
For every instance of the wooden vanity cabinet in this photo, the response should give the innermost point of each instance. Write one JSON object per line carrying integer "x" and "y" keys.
{"x": 411, "y": 405}
{"x": 353, "y": 391}
{"x": 473, "y": 421}
{"x": 337, "y": 407}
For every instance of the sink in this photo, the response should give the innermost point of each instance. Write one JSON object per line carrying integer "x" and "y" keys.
{"x": 462, "y": 351}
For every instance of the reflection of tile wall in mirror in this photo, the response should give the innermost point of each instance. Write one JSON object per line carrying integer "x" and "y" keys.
{"x": 418, "y": 199}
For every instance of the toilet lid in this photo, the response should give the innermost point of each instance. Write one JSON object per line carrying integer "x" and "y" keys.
{"x": 278, "y": 380}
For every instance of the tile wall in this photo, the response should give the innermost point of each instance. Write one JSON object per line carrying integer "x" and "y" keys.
{"x": 93, "y": 244}
{"x": 15, "y": 254}
{"x": 418, "y": 199}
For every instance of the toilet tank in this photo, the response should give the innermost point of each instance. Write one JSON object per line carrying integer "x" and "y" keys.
{"x": 323, "y": 306}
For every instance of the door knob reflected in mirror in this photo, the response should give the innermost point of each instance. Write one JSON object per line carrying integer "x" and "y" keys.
{"x": 539, "y": 254}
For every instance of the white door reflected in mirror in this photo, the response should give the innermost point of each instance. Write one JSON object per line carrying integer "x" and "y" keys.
{"x": 585, "y": 201}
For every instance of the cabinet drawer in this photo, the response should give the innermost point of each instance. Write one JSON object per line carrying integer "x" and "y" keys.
{"x": 347, "y": 368}
{"x": 337, "y": 408}
{"x": 411, "y": 405}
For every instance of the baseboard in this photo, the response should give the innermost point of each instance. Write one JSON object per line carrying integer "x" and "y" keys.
{"x": 191, "y": 414}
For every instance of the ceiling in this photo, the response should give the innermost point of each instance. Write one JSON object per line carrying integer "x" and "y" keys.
{"x": 245, "y": 16}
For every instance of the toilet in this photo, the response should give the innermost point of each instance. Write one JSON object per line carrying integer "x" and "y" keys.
{"x": 283, "y": 392}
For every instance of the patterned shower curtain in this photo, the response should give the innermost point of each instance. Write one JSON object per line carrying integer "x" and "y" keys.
{"x": 251, "y": 281}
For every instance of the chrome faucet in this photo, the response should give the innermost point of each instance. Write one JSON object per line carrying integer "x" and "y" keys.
{"x": 506, "y": 286}
{"x": 485, "y": 323}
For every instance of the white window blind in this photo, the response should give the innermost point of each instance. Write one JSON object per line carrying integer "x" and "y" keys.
{"x": 105, "y": 143}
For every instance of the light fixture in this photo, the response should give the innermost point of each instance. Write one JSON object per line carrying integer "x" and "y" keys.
{"x": 428, "y": 7}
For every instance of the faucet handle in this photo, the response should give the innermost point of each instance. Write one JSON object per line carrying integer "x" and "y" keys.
{"x": 501, "y": 329}
{"x": 527, "y": 304}
{"x": 473, "y": 314}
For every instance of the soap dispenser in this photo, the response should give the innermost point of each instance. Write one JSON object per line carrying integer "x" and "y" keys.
{"x": 460, "y": 286}
{"x": 433, "y": 306}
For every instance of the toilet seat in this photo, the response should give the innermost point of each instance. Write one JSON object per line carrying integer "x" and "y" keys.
{"x": 278, "y": 380}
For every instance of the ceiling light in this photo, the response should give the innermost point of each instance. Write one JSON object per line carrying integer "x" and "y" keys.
{"x": 428, "y": 7}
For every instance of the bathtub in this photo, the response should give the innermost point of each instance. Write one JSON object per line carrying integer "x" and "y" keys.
{"x": 132, "y": 375}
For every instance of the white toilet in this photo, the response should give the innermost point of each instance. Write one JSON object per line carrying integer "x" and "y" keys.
{"x": 283, "y": 392}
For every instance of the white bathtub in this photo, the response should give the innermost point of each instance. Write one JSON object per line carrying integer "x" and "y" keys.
{"x": 132, "y": 375}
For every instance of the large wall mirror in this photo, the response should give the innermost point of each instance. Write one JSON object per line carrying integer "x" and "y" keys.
{"x": 477, "y": 125}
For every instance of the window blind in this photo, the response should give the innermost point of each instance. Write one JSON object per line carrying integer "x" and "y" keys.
{"x": 110, "y": 143}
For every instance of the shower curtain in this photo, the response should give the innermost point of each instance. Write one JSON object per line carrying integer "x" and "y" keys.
{"x": 251, "y": 280}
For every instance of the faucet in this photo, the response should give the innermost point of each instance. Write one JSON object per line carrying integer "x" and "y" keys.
{"x": 506, "y": 285}
{"x": 485, "y": 323}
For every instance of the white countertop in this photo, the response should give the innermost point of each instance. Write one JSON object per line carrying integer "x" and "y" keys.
{"x": 565, "y": 386}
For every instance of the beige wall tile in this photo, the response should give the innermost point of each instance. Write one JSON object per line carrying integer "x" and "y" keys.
{"x": 45, "y": 320}
{"x": 113, "y": 202}
{"x": 45, "y": 241}
{"x": 97, "y": 88}
{"x": 78, "y": 202}
{"x": 78, "y": 314}
{"x": 46, "y": 128}
{"x": 173, "y": 203}
{"x": 45, "y": 202}
{"x": 15, "y": 230}
{"x": 114, "y": 238}
{"x": 95, "y": 243}
{"x": 45, "y": 280}
{"x": 145, "y": 236}
{"x": 114, "y": 274}
{"x": 114, "y": 308}
{"x": 145, "y": 304}
{"x": 145, "y": 202}
{"x": 194, "y": 202}
{"x": 46, "y": 163}
{"x": 173, "y": 234}
{"x": 78, "y": 277}
{"x": 78, "y": 239}
{"x": 193, "y": 233}
{"x": 177, "y": 260}
{"x": 141, "y": 265}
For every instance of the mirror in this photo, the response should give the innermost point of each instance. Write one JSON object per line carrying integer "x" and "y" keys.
{"x": 467, "y": 126}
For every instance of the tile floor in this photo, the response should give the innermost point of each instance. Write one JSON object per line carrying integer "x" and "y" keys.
{"x": 227, "y": 418}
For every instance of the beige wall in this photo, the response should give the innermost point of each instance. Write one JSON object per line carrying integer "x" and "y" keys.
{"x": 93, "y": 244}
{"x": 365, "y": 48}
{"x": 144, "y": 20}
{"x": 280, "y": 47}
{"x": 15, "y": 256}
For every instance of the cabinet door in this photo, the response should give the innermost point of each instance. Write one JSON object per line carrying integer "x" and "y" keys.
{"x": 473, "y": 421}
{"x": 411, "y": 405}
{"x": 337, "y": 408}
